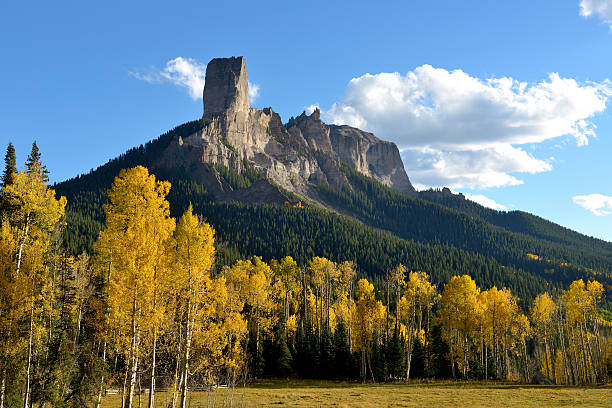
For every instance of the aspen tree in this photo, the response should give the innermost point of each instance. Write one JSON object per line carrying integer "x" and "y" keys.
{"x": 138, "y": 226}
{"x": 33, "y": 215}
{"x": 458, "y": 313}
{"x": 542, "y": 316}
{"x": 198, "y": 295}
{"x": 369, "y": 314}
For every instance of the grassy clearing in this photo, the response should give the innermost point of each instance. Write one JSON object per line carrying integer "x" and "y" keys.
{"x": 437, "y": 394}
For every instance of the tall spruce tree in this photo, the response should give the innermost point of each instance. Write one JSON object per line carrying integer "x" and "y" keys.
{"x": 10, "y": 165}
{"x": 33, "y": 158}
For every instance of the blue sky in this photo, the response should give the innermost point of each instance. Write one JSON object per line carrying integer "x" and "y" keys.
{"x": 506, "y": 101}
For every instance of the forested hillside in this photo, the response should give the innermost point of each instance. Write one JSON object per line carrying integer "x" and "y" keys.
{"x": 519, "y": 221}
{"x": 496, "y": 247}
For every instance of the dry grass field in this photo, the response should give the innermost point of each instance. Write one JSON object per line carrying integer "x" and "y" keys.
{"x": 437, "y": 394}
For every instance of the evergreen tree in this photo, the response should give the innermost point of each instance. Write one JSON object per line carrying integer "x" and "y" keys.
{"x": 327, "y": 359}
{"x": 284, "y": 359}
{"x": 396, "y": 358}
{"x": 10, "y": 165}
{"x": 379, "y": 359}
{"x": 342, "y": 353}
{"x": 417, "y": 365}
{"x": 34, "y": 159}
{"x": 440, "y": 354}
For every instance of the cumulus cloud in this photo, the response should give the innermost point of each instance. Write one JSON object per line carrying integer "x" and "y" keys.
{"x": 473, "y": 167}
{"x": 603, "y": 8}
{"x": 461, "y": 131}
{"x": 598, "y": 204}
{"x": 485, "y": 201}
{"x": 187, "y": 73}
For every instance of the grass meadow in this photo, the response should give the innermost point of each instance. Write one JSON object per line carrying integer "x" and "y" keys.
{"x": 293, "y": 393}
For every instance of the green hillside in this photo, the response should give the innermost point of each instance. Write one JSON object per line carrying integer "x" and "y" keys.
{"x": 378, "y": 228}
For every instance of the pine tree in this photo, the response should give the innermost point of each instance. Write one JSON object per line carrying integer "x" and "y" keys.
{"x": 10, "y": 164}
{"x": 396, "y": 357}
{"x": 34, "y": 162}
{"x": 327, "y": 358}
{"x": 283, "y": 358}
{"x": 379, "y": 359}
{"x": 417, "y": 366}
{"x": 342, "y": 353}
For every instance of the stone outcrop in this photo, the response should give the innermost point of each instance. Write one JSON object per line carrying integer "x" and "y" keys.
{"x": 297, "y": 156}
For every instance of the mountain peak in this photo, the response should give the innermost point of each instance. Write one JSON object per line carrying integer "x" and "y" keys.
{"x": 226, "y": 86}
{"x": 298, "y": 156}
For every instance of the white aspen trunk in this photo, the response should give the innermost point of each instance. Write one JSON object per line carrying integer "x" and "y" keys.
{"x": 101, "y": 389}
{"x": 3, "y": 386}
{"x": 133, "y": 355}
{"x": 23, "y": 241}
{"x": 179, "y": 353}
{"x": 152, "y": 388}
{"x": 26, "y": 396}
{"x": 526, "y": 362}
{"x": 185, "y": 370}
{"x": 409, "y": 348}
{"x": 465, "y": 350}
{"x": 452, "y": 352}
{"x": 486, "y": 363}
{"x": 546, "y": 352}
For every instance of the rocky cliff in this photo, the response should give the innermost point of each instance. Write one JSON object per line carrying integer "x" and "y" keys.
{"x": 296, "y": 156}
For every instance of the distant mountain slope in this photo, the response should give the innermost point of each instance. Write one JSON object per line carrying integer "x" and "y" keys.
{"x": 424, "y": 221}
{"x": 518, "y": 221}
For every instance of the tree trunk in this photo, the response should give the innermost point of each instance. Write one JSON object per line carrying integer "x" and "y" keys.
{"x": 465, "y": 361}
{"x": 133, "y": 355}
{"x": 546, "y": 353}
{"x": 185, "y": 370}
{"x": 152, "y": 388}
{"x": 26, "y": 396}
{"x": 101, "y": 389}
{"x": 486, "y": 363}
{"x": 108, "y": 278}
{"x": 3, "y": 385}
{"x": 177, "y": 383}
{"x": 23, "y": 241}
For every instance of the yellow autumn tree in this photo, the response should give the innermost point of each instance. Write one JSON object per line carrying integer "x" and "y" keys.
{"x": 369, "y": 315}
{"x": 287, "y": 285}
{"x": 234, "y": 323}
{"x": 581, "y": 302}
{"x": 198, "y": 299}
{"x": 542, "y": 316}
{"x": 131, "y": 245}
{"x": 413, "y": 307}
{"x": 33, "y": 215}
{"x": 459, "y": 313}
{"x": 324, "y": 276}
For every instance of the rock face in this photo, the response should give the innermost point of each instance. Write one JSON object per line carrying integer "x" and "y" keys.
{"x": 297, "y": 155}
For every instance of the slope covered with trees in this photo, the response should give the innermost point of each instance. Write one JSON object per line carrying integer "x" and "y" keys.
{"x": 528, "y": 255}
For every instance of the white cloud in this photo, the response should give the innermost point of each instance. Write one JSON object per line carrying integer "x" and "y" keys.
{"x": 603, "y": 8}
{"x": 598, "y": 204}
{"x": 461, "y": 131}
{"x": 485, "y": 201}
{"x": 472, "y": 167}
{"x": 253, "y": 91}
{"x": 186, "y": 73}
